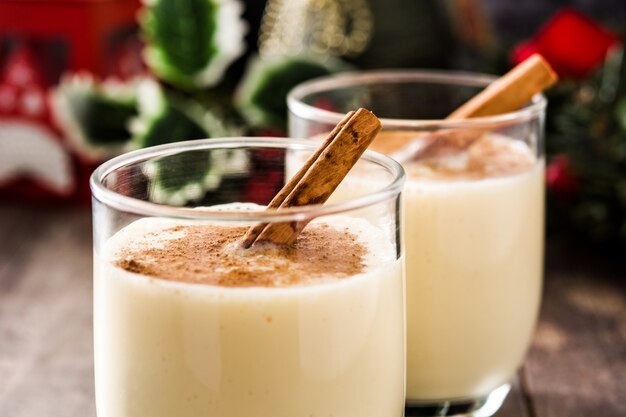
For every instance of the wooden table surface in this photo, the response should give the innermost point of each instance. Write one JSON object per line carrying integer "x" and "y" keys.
{"x": 576, "y": 366}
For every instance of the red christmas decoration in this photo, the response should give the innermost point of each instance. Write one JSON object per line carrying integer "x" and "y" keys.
{"x": 39, "y": 41}
{"x": 30, "y": 147}
{"x": 560, "y": 178}
{"x": 573, "y": 44}
{"x": 261, "y": 189}
{"x": 324, "y": 103}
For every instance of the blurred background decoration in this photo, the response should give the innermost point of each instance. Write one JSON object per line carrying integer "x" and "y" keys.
{"x": 85, "y": 80}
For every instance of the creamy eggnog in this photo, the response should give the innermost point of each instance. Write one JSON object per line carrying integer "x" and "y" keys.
{"x": 474, "y": 239}
{"x": 189, "y": 324}
{"x": 474, "y": 253}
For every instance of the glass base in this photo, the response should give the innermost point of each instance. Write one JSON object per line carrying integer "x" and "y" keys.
{"x": 480, "y": 407}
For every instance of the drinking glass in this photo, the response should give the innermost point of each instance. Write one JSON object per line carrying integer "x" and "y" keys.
{"x": 474, "y": 204}
{"x": 171, "y": 342}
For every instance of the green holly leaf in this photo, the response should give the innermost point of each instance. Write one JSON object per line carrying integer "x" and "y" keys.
{"x": 187, "y": 176}
{"x": 261, "y": 96}
{"x": 95, "y": 116}
{"x": 182, "y": 169}
{"x": 171, "y": 125}
{"x": 179, "y": 178}
{"x": 190, "y": 43}
{"x": 166, "y": 118}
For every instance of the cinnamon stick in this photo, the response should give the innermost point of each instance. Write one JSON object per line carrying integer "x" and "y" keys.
{"x": 511, "y": 91}
{"x": 508, "y": 93}
{"x": 319, "y": 176}
{"x": 279, "y": 198}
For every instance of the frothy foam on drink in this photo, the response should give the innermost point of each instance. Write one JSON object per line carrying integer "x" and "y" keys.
{"x": 491, "y": 155}
{"x": 209, "y": 253}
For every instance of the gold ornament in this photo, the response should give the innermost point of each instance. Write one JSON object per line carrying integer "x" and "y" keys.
{"x": 326, "y": 27}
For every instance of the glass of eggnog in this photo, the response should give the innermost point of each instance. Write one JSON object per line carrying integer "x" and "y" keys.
{"x": 190, "y": 323}
{"x": 474, "y": 207}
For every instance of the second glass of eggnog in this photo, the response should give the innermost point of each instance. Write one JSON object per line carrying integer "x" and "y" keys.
{"x": 474, "y": 204}
{"x": 190, "y": 323}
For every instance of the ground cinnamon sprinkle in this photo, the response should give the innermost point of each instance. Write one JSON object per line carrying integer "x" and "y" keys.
{"x": 209, "y": 254}
{"x": 488, "y": 157}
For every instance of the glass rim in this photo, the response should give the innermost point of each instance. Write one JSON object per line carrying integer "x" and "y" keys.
{"x": 150, "y": 209}
{"x": 393, "y": 76}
